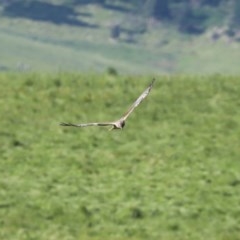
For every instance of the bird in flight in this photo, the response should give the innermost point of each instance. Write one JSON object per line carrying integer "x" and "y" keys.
{"x": 120, "y": 123}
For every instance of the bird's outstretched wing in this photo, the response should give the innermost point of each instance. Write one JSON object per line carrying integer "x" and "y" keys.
{"x": 86, "y": 124}
{"x": 138, "y": 101}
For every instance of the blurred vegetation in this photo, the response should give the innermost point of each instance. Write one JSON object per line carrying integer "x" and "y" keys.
{"x": 172, "y": 173}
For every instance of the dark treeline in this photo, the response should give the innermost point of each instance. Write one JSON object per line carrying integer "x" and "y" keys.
{"x": 193, "y": 16}
{"x": 189, "y": 16}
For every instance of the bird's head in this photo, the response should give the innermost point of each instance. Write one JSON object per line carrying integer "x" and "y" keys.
{"x": 122, "y": 124}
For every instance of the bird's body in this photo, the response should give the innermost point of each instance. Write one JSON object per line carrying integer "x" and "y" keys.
{"x": 120, "y": 123}
{"x": 115, "y": 125}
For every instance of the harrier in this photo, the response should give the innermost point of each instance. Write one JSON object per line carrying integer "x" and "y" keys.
{"x": 120, "y": 123}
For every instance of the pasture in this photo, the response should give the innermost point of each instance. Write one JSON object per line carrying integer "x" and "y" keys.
{"x": 172, "y": 173}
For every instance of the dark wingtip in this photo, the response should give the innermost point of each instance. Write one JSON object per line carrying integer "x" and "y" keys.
{"x": 63, "y": 124}
{"x": 151, "y": 84}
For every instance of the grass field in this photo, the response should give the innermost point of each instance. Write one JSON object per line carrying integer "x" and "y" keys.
{"x": 172, "y": 173}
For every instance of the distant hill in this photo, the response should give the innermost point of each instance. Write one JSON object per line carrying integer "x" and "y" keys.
{"x": 142, "y": 36}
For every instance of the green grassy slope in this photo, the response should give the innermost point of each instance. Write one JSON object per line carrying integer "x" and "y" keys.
{"x": 172, "y": 173}
{"x": 59, "y": 55}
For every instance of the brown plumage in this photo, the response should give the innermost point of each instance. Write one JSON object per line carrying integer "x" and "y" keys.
{"x": 120, "y": 123}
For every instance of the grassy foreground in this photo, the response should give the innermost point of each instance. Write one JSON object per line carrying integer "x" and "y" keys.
{"x": 172, "y": 173}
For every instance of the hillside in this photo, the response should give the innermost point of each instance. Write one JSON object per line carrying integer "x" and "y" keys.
{"x": 43, "y": 36}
